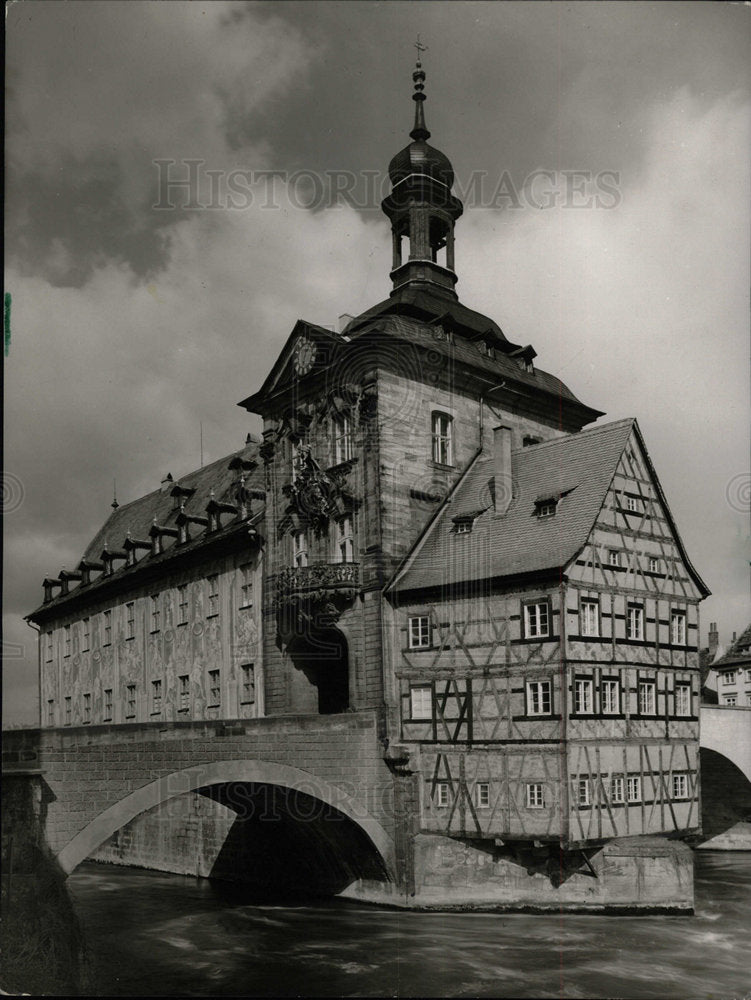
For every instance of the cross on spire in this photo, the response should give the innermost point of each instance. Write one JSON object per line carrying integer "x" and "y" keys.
{"x": 420, "y": 49}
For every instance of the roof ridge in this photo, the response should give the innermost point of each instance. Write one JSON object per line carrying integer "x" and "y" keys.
{"x": 577, "y": 435}
{"x": 177, "y": 481}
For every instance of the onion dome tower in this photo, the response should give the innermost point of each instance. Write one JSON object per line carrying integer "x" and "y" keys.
{"x": 421, "y": 207}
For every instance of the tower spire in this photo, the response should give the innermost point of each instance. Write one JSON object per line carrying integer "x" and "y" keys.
{"x": 421, "y": 208}
{"x": 419, "y": 132}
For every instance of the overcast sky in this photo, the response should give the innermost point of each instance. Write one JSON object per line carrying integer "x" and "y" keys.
{"x": 133, "y": 325}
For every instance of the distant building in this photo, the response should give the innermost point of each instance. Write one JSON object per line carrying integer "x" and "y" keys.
{"x": 729, "y": 675}
{"x": 427, "y": 530}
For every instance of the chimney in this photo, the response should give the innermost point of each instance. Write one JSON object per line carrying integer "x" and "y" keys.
{"x": 714, "y": 640}
{"x": 502, "y": 468}
{"x": 344, "y": 320}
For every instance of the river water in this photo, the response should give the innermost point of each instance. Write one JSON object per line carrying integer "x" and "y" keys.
{"x": 153, "y": 934}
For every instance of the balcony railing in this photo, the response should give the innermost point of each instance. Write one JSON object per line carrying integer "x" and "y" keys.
{"x": 319, "y": 581}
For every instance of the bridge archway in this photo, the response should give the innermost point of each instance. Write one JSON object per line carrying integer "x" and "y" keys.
{"x": 727, "y": 730}
{"x": 241, "y": 772}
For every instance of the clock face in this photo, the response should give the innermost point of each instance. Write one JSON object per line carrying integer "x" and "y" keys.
{"x": 305, "y": 355}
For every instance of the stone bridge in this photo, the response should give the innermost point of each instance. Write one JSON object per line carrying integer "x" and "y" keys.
{"x": 91, "y": 783}
{"x": 94, "y": 780}
{"x": 726, "y": 729}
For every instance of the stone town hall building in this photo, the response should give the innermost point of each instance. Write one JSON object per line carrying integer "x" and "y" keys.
{"x": 433, "y": 528}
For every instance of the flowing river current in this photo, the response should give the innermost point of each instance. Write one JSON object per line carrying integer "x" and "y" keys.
{"x": 153, "y": 934}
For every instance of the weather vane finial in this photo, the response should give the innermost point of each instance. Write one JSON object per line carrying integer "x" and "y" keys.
{"x": 419, "y": 132}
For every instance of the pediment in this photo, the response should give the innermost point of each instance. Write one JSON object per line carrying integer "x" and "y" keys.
{"x": 308, "y": 351}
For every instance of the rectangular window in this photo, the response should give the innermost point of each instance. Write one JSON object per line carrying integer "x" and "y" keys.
{"x": 678, "y": 628}
{"x": 419, "y": 632}
{"x": 614, "y": 557}
{"x": 246, "y": 586}
{"x": 184, "y": 692}
{"x": 582, "y": 792}
{"x": 483, "y": 795}
{"x": 654, "y": 565}
{"x": 182, "y": 604}
{"x": 635, "y": 622}
{"x": 156, "y": 697}
{"x": 536, "y": 620}
{"x": 728, "y": 677}
{"x": 85, "y": 635}
{"x": 130, "y": 620}
{"x": 590, "y": 616}
{"x": 647, "y": 698}
{"x": 68, "y": 711}
{"x": 441, "y": 438}
{"x": 154, "y": 601}
{"x": 107, "y": 630}
{"x": 633, "y": 789}
{"x": 442, "y": 795}
{"x": 729, "y": 699}
{"x": 215, "y": 694}
{"x": 248, "y": 679}
{"x": 632, "y": 504}
{"x": 51, "y": 712}
{"x": 539, "y": 698}
{"x": 546, "y": 508}
{"x": 463, "y": 527}
{"x": 683, "y": 699}
{"x": 343, "y": 450}
{"x": 616, "y": 791}
{"x": 583, "y": 696}
{"x": 108, "y": 704}
{"x": 421, "y": 702}
{"x": 130, "y": 701}
{"x": 48, "y": 646}
{"x": 66, "y": 639}
{"x": 680, "y": 786}
{"x": 300, "y": 549}
{"x": 610, "y": 697}
{"x": 213, "y": 585}
{"x": 345, "y": 551}
{"x": 535, "y": 796}
{"x": 748, "y": 677}
{"x": 86, "y": 708}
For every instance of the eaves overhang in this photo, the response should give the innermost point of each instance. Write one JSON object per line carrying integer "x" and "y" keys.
{"x": 149, "y": 569}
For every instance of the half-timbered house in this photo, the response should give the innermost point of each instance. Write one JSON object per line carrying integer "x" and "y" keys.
{"x": 544, "y": 643}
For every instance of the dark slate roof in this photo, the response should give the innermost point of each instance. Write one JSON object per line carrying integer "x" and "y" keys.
{"x": 137, "y": 517}
{"x": 736, "y": 656}
{"x": 426, "y": 303}
{"x": 459, "y": 349}
{"x": 578, "y": 467}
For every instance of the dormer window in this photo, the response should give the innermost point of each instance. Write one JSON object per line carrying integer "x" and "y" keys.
{"x": 442, "y": 445}
{"x": 529, "y": 440}
{"x": 546, "y": 508}
{"x": 464, "y": 527}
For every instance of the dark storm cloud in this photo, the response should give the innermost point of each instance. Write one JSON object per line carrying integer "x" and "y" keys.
{"x": 88, "y": 85}
{"x": 131, "y": 326}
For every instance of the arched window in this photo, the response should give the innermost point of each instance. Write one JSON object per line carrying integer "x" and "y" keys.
{"x": 345, "y": 546}
{"x": 442, "y": 444}
{"x": 342, "y": 435}
{"x": 300, "y": 548}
